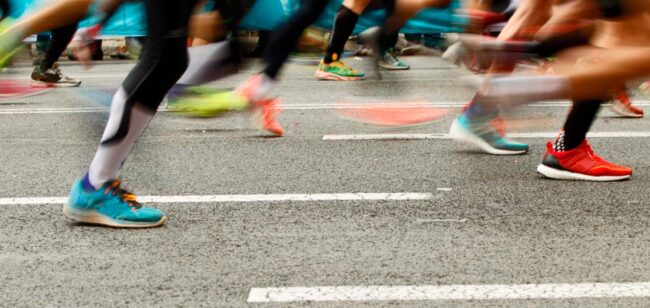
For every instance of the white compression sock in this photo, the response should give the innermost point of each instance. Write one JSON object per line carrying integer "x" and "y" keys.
{"x": 110, "y": 156}
{"x": 513, "y": 91}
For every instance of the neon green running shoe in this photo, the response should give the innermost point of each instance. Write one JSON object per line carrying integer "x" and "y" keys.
{"x": 207, "y": 103}
{"x": 337, "y": 70}
{"x": 10, "y": 44}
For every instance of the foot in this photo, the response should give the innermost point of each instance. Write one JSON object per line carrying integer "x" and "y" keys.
{"x": 483, "y": 135}
{"x": 264, "y": 112}
{"x": 10, "y": 43}
{"x": 390, "y": 62}
{"x": 110, "y": 206}
{"x": 580, "y": 164}
{"x": 206, "y": 103}
{"x": 622, "y": 105}
{"x": 337, "y": 70}
{"x": 256, "y": 91}
{"x": 53, "y": 77}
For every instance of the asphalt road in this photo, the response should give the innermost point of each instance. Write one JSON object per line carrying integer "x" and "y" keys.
{"x": 488, "y": 221}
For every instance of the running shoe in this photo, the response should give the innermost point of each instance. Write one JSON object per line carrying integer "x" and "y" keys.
{"x": 263, "y": 109}
{"x": 53, "y": 77}
{"x": 483, "y": 135}
{"x": 339, "y": 71}
{"x": 205, "y": 103}
{"x": 15, "y": 89}
{"x": 622, "y": 105}
{"x": 265, "y": 112}
{"x": 580, "y": 164}
{"x": 390, "y": 62}
{"x": 9, "y": 43}
{"x": 110, "y": 206}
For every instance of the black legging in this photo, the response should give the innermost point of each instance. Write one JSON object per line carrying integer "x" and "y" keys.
{"x": 163, "y": 61}
{"x": 59, "y": 40}
{"x": 284, "y": 39}
{"x": 578, "y": 122}
{"x": 4, "y": 7}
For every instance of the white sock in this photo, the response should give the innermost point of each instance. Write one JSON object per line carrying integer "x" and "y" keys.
{"x": 110, "y": 156}
{"x": 513, "y": 91}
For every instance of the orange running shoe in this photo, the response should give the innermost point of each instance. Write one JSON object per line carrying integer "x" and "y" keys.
{"x": 265, "y": 110}
{"x": 622, "y": 105}
{"x": 580, "y": 164}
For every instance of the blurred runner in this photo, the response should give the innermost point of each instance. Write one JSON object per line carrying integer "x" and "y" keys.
{"x": 331, "y": 67}
{"x": 570, "y": 156}
{"x": 97, "y": 198}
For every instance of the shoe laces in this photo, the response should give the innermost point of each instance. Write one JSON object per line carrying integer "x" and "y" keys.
{"x": 390, "y": 58}
{"x": 115, "y": 189}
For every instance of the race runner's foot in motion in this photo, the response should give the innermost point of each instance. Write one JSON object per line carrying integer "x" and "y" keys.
{"x": 203, "y": 102}
{"x": 256, "y": 91}
{"x": 481, "y": 133}
{"x": 580, "y": 163}
{"x": 339, "y": 71}
{"x": 389, "y": 61}
{"x": 110, "y": 206}
{"x": 53, "y": 77}
{"x": 622, "y": 105}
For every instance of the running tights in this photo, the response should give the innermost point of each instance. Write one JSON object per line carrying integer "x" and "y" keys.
{"x": 163, "y": 61}
{"x": 4, "y": 7}
{"x": 59, "y": 41}
{"x": 284, "y": 39}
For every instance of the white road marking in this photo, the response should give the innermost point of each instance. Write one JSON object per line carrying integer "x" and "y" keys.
{"x": 441, "y": 220}
{"x": 449, "y": 292}
{"x": 443, "y": 189}
{"x": 322, "y": 106}
{"x": 239, "y": 198}
{"x": 621, "y": 134}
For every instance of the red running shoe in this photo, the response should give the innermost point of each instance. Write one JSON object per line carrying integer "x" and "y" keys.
{"x": 622, "y": 105}
{"x": 580, "y": 164}
{"x": 14, "y": 89}
{"x": 265, "y": 112}
{"x": 264, "y": 109}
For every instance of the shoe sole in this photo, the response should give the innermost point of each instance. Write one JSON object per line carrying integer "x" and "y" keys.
{"x": 334, "y": 77}
{"x": 458, "y": 133}
{"x": 394, "y": 68}
{"x": 37, "y": 83}
{"x": 624, "y": 111}
{"x": 553, "y": 173}
{"x": 97, "y": 219}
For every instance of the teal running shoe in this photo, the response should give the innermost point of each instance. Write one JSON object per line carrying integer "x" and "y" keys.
{"x": 389, "y": 61}
{"x": 206, "y": 103}
{"x": 110, "y": 206}
{"x": 481, "y": 134}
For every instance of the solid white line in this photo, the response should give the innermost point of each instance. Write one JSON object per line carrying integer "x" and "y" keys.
{"x": 239, "y": 198}
{"x": 622, "y": 134}
{"x": 449, "y": 292}
{"x": 324, "y": 106}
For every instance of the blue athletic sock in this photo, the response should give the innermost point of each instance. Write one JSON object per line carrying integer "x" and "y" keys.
{"x": 86, "y": 184}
